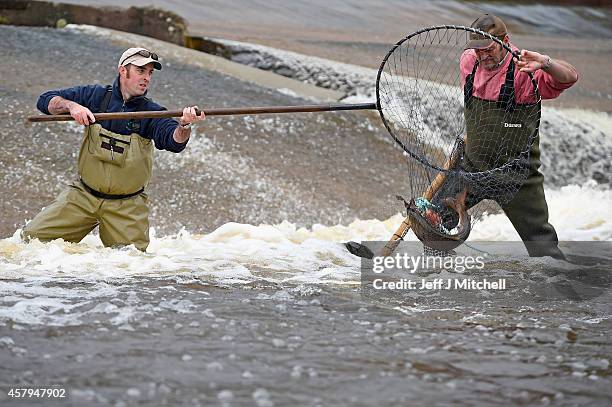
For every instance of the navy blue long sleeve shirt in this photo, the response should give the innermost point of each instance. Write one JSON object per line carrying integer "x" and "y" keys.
{"x": 90, "y": 96}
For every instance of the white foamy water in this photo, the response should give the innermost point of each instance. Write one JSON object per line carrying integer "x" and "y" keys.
{"x": 283, "y": 253}
{"x": 579, "y": 213}
{"x": 238, "y": 253}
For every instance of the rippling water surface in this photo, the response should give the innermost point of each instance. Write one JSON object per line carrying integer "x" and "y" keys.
{"x": 273, "y": 314}
{"x": 370, "y": 16}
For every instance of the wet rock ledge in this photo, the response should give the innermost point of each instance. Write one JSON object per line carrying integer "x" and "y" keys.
{"x": 149, "y": 21}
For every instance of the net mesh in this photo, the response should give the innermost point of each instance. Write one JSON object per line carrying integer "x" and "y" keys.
{"x": 466, "y": 155}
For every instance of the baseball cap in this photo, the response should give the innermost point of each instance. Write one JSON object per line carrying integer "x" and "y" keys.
{"x": 139, "y": 57}
{"x": 490, "y": 24}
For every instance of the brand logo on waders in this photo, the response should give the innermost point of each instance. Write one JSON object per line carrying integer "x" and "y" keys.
{"x": 513, "y": 125}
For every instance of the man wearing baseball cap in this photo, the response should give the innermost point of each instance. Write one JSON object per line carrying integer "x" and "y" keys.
{"x": 498, "y": 89}
{"x": 116, "y": 157}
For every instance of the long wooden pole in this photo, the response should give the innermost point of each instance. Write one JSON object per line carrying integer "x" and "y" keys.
{"x": 210, "y": 112}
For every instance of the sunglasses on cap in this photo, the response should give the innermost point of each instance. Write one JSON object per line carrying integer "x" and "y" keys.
{"x": 144, "y": 53}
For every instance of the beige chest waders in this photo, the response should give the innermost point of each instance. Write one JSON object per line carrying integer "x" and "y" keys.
{"x": 115, "y": 164}
{"x": 114, "y": 169}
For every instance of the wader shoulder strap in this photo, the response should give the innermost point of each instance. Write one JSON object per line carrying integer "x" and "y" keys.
{"x": 468, "y": 88}
{"x": 105, "y": 102}
{"x": 507, "y": 98}
{"x": 106, "y": 99}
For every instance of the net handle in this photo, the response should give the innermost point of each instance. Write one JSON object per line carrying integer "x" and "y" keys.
{"x": 406, "y": 225}
{"x": 210, "y": 112}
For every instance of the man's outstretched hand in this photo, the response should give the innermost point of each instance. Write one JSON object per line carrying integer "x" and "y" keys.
{"x": 531, "y": 61}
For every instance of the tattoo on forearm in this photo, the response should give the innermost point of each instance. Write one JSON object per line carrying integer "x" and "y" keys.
{"x": 181, "y": 134}
{"x": 58, "y": 105}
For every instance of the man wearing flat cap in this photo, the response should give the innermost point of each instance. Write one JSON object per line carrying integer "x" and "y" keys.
{"x": 116, "y": 157}
{"x": 498, "y": 84}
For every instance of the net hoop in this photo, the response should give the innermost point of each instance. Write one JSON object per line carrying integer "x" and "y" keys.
{"x": 517, "y": 161}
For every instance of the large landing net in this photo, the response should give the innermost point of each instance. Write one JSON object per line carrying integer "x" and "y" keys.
{"x": 465, "y": 153}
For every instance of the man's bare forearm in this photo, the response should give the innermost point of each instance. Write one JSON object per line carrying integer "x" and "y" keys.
{"x": 562, "y": 71}
{"x": 59, "y": 105}
{"x": 181, "y": 134}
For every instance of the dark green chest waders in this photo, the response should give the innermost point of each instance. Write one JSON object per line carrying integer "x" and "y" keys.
{"x": 502, "y": 136}
{"x": 499, "y": 132}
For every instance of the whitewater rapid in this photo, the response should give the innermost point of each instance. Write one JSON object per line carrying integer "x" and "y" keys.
{"x": 240, "y": 253}
{"x": 280, "y": 253}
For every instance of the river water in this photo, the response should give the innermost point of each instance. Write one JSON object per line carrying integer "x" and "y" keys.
{"x": 256, "y": 301}
{"x": 275, "y": 316}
